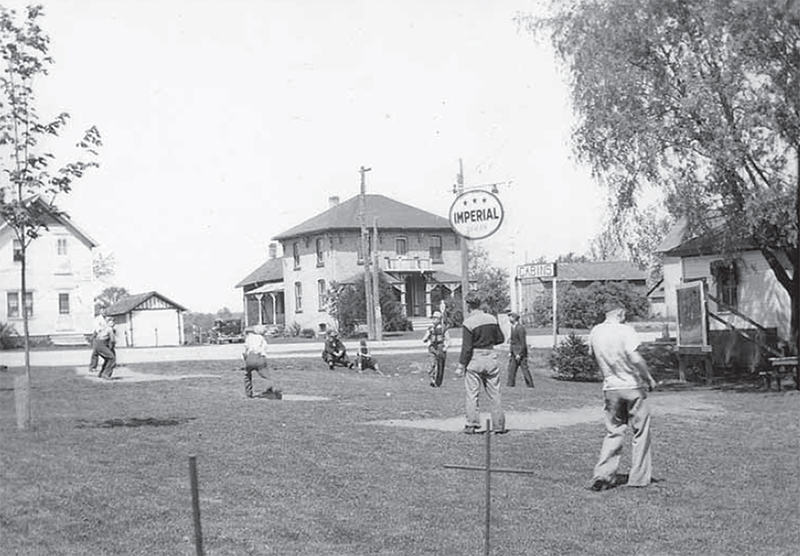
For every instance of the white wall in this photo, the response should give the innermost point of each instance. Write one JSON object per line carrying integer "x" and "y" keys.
{"x": 48, "y": 275}
{"x": 761, "y": 296}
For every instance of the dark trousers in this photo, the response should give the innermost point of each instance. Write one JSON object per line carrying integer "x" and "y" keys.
{"x": 102, "y": 349}
{"x": 436, "y": 371}
{"x": 522, "y": 365}
{"x": 334, "y": 360}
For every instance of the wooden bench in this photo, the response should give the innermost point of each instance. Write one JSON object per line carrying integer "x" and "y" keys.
{"x": 780, "y": 367}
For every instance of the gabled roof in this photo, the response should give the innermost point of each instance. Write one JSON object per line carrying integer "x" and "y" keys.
{"x": 270, "y": 271}
{"x": 129, "y": 303}
{"x": 679, "y": 243}
{"x": 600, "y": 271}
{"x": 391, "y": 214}
{"x": 58, "y": 218}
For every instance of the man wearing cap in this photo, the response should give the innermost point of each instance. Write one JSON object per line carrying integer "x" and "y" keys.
{"x": 478, "y": 363}
{"x": 518, "y": 353}
{"x": 626, "y": 379}
{"x": 334, "y": 353}
{"x": 438, "y": 339}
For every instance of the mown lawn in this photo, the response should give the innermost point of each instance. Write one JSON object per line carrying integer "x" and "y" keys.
{"x": 105, "y": 470}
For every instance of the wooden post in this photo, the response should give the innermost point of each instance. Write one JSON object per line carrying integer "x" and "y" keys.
{"x": 376, "y": 285}
{"x": 22, "y": 401}
{"x": 464, "y": 249}
{"x": 555, "y": 312}
{"x": 198, "y": 532}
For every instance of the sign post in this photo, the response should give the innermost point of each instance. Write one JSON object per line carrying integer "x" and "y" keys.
{"x": 532, "y": 271}
{"x": 474, "y": 214}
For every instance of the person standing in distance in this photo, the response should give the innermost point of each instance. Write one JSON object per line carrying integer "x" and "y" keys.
{"x": 478, "y": 363}
{"x": 438, "y": 339}
{"x": 518, "y": 353}
{"x": 626, "y": 379}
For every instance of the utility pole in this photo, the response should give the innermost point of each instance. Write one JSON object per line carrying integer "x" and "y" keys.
{"x": 365, "y": 255}
{"x": 464, "y": 248}
{"x": 376, "y": 284}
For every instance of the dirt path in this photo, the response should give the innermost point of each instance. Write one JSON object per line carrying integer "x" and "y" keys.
{"x": 687, "y": 404}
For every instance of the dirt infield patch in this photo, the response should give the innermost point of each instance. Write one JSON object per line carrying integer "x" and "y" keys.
{"x": 690, "y": 405}
{"x": 123, "y": 374}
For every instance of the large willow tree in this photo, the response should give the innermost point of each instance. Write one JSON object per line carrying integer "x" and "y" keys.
{"x": 700, "y": 98}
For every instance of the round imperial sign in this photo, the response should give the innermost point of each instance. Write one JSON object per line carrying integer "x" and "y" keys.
{"x": 476, "y": 214}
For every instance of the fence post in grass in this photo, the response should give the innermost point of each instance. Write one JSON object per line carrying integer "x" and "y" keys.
{"x": 198, "y": 532}
{"x": 22, "y": 401}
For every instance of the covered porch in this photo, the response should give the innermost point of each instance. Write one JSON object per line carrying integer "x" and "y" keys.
{"x": 265, "y": 306}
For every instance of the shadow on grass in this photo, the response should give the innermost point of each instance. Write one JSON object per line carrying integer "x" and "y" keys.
{"x": 133, "y": 422}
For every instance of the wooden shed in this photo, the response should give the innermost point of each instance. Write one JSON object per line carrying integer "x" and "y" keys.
{"x": 147, "y": 320}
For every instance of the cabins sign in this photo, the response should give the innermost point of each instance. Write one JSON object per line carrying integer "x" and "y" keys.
{"x": 476, "y": 214}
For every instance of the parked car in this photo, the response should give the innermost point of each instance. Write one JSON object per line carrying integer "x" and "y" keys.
{"x": 226, "y": 332}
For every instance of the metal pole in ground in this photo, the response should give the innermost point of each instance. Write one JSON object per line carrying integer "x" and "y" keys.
{"x": 198, "y": 532}
{"x": 488, "y": 502}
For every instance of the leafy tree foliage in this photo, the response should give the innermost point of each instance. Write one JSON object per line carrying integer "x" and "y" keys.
{"x": 108, "y": 297}
{"x": 103, "y": 265}
{"x": 29, "y": 185}
{"x": 583, "y": 307}
{"x": 492, "y": 282}
{"x": 347, "y": 304}
{"x": 700, "y": 98}
{"x": 634, "y": 236}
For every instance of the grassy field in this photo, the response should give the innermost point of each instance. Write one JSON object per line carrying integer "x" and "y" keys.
{"x": 105, "y": 470}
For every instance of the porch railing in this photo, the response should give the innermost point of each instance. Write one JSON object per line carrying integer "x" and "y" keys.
{"x": 407, "y": 263}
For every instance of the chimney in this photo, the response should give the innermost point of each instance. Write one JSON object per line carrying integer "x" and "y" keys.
{"x": 273, "y": 250}
{"x": 333, "y": 201}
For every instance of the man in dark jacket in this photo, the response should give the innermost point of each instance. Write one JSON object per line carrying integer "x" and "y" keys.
{"x": 518, "y": 351}
{"x": 478, "y": 363}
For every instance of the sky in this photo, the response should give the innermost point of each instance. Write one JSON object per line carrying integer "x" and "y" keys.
{"x": 226, "y": 122}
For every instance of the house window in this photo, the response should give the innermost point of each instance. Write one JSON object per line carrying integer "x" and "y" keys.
{"x": 401, "y": 246}
{"x": 12, "y": 304}
{"x": 63, "y": 304}
{"x": 12, "y": 300}
{"x": 298, "y": 297}
{"x": 296, "y": 255}
{"x": 320, "y": 251}
{"x": 322, "y": 296}
{"x": 726, "y": 276}
{"x": 62, "y": 246}
{"x": 435, "y": 248}
{"x": 17, "y": 250}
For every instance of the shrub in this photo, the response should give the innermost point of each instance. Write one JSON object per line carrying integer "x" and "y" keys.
{"x": 571, "y": 360}
{"x": 308, "y": 333}
{"x": 294, "y": 329}
{"x": 453, "y": 312}
{"x": 347, "y": 304}
{"x": 583, "y": 307}
{"x": 8, "y": 336}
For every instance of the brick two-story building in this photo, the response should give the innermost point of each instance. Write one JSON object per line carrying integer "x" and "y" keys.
{"x": 418, "y": 252}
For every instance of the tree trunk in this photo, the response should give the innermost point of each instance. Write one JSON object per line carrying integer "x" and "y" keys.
{"x": 26, "y": 409}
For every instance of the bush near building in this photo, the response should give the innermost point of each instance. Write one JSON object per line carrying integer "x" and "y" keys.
{"x": 583, "y": 307}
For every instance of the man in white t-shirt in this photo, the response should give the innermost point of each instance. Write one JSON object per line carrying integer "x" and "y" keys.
{"x": 626, "y": 380}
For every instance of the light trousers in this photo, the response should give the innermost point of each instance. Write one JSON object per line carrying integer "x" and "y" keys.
{"x": 484, "y": 372}
{"x": 624, "y": 408}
